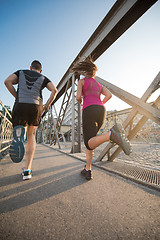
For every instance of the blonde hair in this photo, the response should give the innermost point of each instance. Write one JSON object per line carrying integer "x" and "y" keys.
{"x": 86, "y": 66}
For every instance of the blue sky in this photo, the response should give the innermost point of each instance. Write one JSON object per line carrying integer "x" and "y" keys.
{"x": 54, "y": 33}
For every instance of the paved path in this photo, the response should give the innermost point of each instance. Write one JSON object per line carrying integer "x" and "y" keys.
{"x": 59, "y": 204}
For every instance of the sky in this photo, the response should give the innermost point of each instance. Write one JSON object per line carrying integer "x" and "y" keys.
{"x": 54, "y": 32}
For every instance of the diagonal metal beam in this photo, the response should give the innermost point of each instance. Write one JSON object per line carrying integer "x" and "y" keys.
{"x": 122, "y": 16}
{"x": 141, "y": 106}
{"x": 151, "y": 89}
{"x": 64, "y": 106}
{"x": 135, "y": 130}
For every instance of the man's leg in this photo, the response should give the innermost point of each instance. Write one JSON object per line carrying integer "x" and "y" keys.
{"x": 31, "y": 145}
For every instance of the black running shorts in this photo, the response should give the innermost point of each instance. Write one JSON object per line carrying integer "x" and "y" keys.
{"x": 26, "y": 114}
{"x": 93, "y": 118}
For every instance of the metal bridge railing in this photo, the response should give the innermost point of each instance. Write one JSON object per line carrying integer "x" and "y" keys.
{"x": 5, "y": 129}
{"x": 141, "y": 121}
{"x": 122, "y": 15}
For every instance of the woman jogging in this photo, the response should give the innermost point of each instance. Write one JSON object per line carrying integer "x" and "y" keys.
{"x": 94, "y": 113}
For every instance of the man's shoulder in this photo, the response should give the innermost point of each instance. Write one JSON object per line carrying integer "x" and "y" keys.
{"x": 31, "y": 73}
{"x": 25, "y": 71}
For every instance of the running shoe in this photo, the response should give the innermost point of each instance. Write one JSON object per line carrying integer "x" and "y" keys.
{"x": 118, "y": 136}
{"x": 16, "y": 150}
{"x": 27, "y": 174}
{"x": 87, "y": 174}
{"x": 83, "y": 172}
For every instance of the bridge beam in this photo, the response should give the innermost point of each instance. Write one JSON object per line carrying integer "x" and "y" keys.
{"x": 122, "y": 16}
{"x": 138, "y": 104}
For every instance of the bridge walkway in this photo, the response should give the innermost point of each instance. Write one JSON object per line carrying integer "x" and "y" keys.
{"x": 59, "y": 204}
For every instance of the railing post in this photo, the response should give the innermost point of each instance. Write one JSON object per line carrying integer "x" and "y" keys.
{"x": 76, "y": 116}
{"x": 53, "y": 126}
{"x": 73, "y": 114}
{"x": 79, "y": 128}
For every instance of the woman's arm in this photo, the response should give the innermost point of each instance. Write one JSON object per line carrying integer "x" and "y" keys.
{"x": 107, "y": 94}
{"x": 79, "y": 91}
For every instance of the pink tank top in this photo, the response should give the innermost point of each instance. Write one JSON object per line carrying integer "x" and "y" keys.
{"x": 91, "y": 92}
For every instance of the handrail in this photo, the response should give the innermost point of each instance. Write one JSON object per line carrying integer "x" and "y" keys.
{"x": 5, "y": 129}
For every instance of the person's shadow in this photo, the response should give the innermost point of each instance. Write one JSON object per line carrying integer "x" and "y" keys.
{"x": 37, "y": 190}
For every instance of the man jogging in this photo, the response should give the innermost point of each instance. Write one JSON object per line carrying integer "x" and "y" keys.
{"x": 28, "y": 106}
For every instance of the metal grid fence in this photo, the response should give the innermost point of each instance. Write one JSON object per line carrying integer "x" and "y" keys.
{"x": 5, "y": 129}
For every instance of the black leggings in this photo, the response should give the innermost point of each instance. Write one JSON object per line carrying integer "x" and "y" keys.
{"x": 92, "y": 118}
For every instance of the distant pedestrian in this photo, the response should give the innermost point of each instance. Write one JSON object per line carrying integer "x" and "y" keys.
{"x": 28, "y": 108}
{"x": 94, "y": 113}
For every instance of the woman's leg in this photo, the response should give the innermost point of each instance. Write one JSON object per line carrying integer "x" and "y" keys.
{"x": 91, "y": 124}
{"x": 98, "y": 140}
{"x": 89, "y": 156}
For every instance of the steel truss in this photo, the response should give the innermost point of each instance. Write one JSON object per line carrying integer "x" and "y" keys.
{"x": 139, "y": 106}
{"x": 122, "y": 15}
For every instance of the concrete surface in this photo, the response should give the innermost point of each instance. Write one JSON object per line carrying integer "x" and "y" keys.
{"x": 59, "y": 204}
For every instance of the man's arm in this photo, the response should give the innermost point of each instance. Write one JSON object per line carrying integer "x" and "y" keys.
{"x": 9, "y": 82}
{"x": 50, "y": 86}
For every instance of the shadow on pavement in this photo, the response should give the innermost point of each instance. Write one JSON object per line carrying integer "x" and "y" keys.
{"x": 41, "y": 189}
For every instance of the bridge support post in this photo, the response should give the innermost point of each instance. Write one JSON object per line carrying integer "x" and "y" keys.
{"x": 76, "y": 120}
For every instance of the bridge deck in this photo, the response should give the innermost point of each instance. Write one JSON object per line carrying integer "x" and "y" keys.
{"x": 58, "y": 203}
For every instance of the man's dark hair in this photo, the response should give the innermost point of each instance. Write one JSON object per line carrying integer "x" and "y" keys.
{"x": 36, "y": 65}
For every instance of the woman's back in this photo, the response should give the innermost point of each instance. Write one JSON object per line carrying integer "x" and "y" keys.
{"x": 91, "y": 92}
